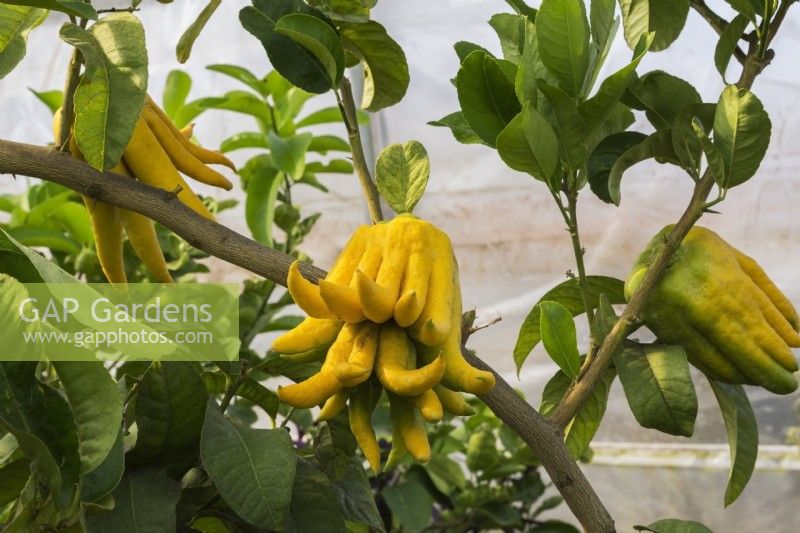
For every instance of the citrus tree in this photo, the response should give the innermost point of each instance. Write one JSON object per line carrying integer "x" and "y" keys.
{"x": 415, "y": 431}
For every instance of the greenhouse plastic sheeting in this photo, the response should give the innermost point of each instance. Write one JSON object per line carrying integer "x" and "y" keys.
{"x": 509, "y": 237}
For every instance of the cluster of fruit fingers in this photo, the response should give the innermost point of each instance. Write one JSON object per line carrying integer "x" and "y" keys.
{"x": 157, "y": 154}
{"x": 360, "y": 362}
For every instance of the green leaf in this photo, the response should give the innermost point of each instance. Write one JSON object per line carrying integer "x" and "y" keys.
{"x": 486, "y": 95}
{"x": 101, "y": 481}
{"x": 16, "y": 22}
{"x": 386, "y": 75}
{"x": 510, "y": 30}
{"x": 684, "y": 141}
{"x": 674, "y": 525}
{"x": 76, "y": 8}
{"x": 662, "y": 96}
{"x": 319, "y": 38}
{"x": 295, "y": 62}
{"x": 605, "y": 155}
{"x": 169, "y": 413}
{"x": 665, "y": 18}
{"x": 356, "y": 499}
{"x": 345, "y": 10}
{"x": 52, "y": 99}
{"x": 562, "y": 31}
{"x": 523, "y": 9}
{"x": 323, "y": 144}
{"x": 328, "y": 115}
{"x": 567, "y": 294}
{"x": 741, "y": 132}
{"x": 531, "y": 69}
{"x": 184, "y": 47}
{"x": 334, "y": 166}
{"x": 247, "y": 139}
{"x": 250, "y": 389}
{"x": 742, "y": 430}
{"x": 176, "y": 90}
{"x": 658, "y": 146}
{"x": 465, "y": 48}
{"x": 96, "y": 405}
{"x": 14, "y": 476}
{"x": 238, "y": 101}
{"x": 601, "y": 16}
{"x": 748, "y": 8}
{"x": 144, "y": 501}
{"x": 242, "y": 75}
{"x": 658, "y": 387}
{"x": 529, "y": 144}
{"x": 559, "y": 337}
{"x": 314, "y": 501}
{"x": 111, "y": 93}
{"x": 445, "y": 473}
{"x": 41, "y": 420}
{"x": 481, "y": 452}
{"x": 582, "y": 428}
{"x": 458, "y": 127}
{"x": 263, "y": 181}
{"x": 401, "y": 173}
{"x": 728, "y": 41}
{"x": 253, "y": 469}
{"x": 713, "y": 157}
{"x": 289, "y": 153}
{"x": 598, "y": 109}
{"x": 569, "y": 126}
{"x": 410, "y": 503}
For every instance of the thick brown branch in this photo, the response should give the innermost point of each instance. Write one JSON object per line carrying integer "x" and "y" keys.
{"x": 547, "y": 442}
{"x": 544, "y": 438}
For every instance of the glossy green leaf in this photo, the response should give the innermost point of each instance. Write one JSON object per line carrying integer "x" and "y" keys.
{"x": 411, "y": 505}
{"x": 253, "y": 469}
{"x": 386, "y": 75}
{"x": 567, "y": 294}
{"x": 728, "y": 41}
{"x": 562, "y": 31}
{"x": 600, "y": 108}
{"x": 523, "y": 9}
{"x": 458, "y": 127}
{"x": 665, "y": 18}
{"x": 184, "y": 47}
{"x": 465, "y": 48}
{"x": 169, "y": 413}
{"x": 52, "y": 99}
{"x": 569, "y": 126}
{"x": 713, "y": 156}
{"x": 295, "y": 62}
{"x": 144, "y": 501}
{"x": 658, "y": 387}
{"x": 559, "y": 337}
{"x": 345, "y": 10}
{"x": 401, "y": 173}
{"x": 531, "y": 69}
{"x": 16, "y": 22}
{"x": 603, "y": 158}
{"x": 263, "y": 181}
{"x": 101, "y": 481}
{"x": 96, "y": 405}
{"x": 658, "y": 146}
{"x": 176, "y": 90}
{"x": 319, "y": 38}
{"x": 662, "y": 96}
{"x": 742, "y": 430}
{"x": 684, "y": 141}
{"x": 601, "y": 16}
{"x": 486, "y": 95}
{"x": 76, "y": 8}
{"x": 510, "y": 30}
{"x": 289, "y": 153}
{"x": 356, "y": 499}
{"x": 14, "y": 476}
{"x": 246, "y": 139}
{"x": 674, "y": 525}
{"x": 582, "y": 428}
{"x": 314, "y": 501}
{"x": 529, "y": 144}
{"x": 242, "y": 75}
{"x": 742, "y": 131}
{"x": 110, "y": 96}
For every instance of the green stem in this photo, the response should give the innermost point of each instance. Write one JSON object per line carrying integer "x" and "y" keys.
{"x": 572, "y": 212}
{"x": 347, "y": 107}
{"x": 67, "y": 107}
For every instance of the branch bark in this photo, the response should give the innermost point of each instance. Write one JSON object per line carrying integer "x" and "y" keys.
{"x": 543, "y": 437}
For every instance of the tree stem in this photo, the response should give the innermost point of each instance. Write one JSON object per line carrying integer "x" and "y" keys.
{"x": 572, "y": 212}
{"x": 350, "y": 115}
{"x": 68, "y": 106}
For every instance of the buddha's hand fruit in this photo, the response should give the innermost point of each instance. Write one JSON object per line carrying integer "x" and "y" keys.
{"x": 401, "y": 269}
{"x": 156, "y": 154}
{"x": 734, "y": 323}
